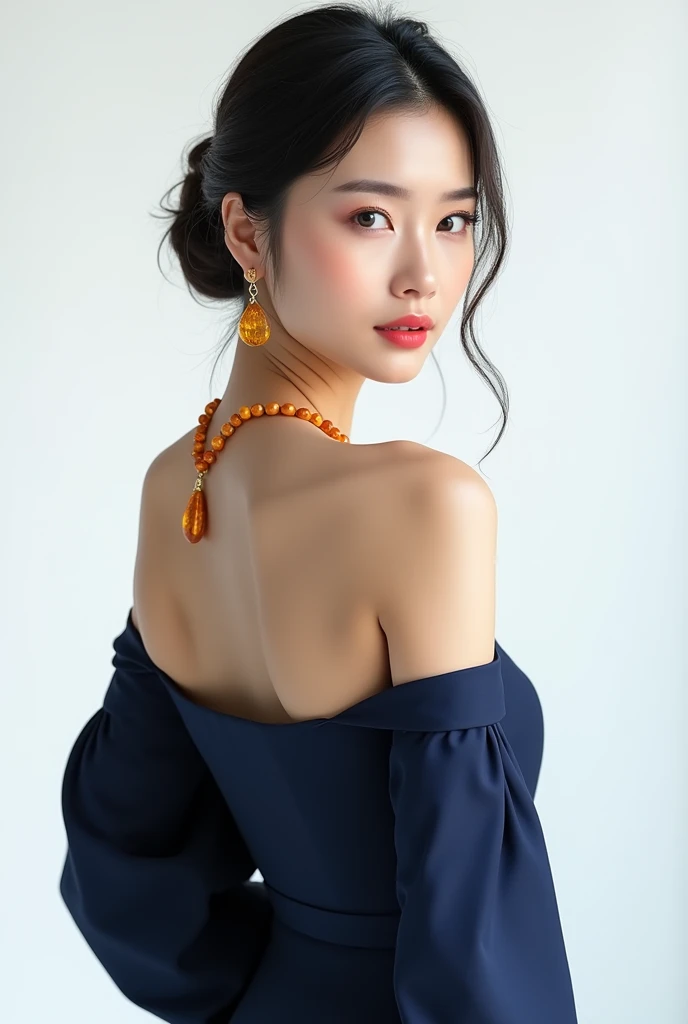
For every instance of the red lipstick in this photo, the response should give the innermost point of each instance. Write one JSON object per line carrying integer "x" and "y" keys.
{"x": 413, "y": 338}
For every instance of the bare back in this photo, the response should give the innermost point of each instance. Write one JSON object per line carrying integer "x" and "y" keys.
{"x": 271, "y": 615}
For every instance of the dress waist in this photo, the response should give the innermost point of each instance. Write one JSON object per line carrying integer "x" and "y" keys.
{"x": 373, "y": 931}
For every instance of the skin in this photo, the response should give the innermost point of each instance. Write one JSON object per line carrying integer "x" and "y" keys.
{"x": 342, "y": 278}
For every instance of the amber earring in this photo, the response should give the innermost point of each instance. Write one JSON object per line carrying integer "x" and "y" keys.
{"x": 254, "y": 328}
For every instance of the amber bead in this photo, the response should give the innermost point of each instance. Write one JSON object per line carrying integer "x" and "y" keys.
{"x": 254, "y": 328}
{"x": 272, "y": 408}
{"x": 195, "y": 517}
{"x": 235, "y": 420}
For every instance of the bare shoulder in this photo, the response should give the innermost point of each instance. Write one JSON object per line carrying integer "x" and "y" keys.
{"x": 437, "y": 466}
{"x": 436, "y": 541}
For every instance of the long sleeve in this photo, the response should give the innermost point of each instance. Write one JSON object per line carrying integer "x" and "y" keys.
{"x": 479, "y": 939}
{"x": 156, "y": 872}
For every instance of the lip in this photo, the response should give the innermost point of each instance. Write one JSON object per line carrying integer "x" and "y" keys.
{"x": 403, "y": 339}
{"x": 410, "y": 320}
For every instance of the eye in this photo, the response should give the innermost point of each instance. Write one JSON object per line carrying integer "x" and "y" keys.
{"x": 470, "y": 219}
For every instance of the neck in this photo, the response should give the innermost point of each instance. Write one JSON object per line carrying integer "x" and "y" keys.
{"x": 277, "y": 373}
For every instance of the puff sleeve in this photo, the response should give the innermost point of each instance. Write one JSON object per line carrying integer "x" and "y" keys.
{"x": 156, "y": 872}
{"x": 479, "y": 938}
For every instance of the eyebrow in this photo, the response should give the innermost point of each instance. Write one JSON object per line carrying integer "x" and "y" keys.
{"x": 385, "y": 188}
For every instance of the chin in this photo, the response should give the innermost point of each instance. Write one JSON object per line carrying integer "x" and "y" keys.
{"x": 398, "y": 370}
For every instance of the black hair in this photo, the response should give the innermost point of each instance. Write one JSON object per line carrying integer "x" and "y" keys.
{"x": 295, "y": 103}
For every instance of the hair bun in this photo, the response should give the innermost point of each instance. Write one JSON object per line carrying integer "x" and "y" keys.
{"x": 195, "y": 159}
{"x": 419, "y": 27}
{"x": 196, "y": 234}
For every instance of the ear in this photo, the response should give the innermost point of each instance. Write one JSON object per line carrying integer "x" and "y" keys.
{"x": 240, "y": 232}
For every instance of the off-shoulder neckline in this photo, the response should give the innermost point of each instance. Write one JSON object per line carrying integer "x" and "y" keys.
{"x": 355, "y": 714}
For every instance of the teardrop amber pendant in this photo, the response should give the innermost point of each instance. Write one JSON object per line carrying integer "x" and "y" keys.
{"x": 195, "y": 516}
{"x": 254, "y": 328}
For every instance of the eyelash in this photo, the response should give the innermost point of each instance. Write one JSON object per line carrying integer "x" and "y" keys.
{"x": 471, "y": 219}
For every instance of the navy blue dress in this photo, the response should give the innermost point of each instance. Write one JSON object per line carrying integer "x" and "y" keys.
{"x": 406, "y": 877}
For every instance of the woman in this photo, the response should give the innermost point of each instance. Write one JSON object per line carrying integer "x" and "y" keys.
{"x": 308, "y": 682}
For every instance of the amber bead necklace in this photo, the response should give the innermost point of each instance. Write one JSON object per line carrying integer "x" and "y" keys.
{"x": 195, "y": 519}
{"x": 254, "y": 330}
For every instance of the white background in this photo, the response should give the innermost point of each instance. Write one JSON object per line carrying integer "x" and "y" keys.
{"x": 104, "y": 364}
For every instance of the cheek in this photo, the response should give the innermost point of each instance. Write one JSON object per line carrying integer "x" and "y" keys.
{"x": 337, "y": 268}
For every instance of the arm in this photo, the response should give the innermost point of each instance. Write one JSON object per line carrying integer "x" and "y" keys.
{"x": 479, "y": 939}
{"x": 156, "y": 872}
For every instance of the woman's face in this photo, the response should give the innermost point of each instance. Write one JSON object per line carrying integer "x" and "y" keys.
{"x": 356, "y": 258}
